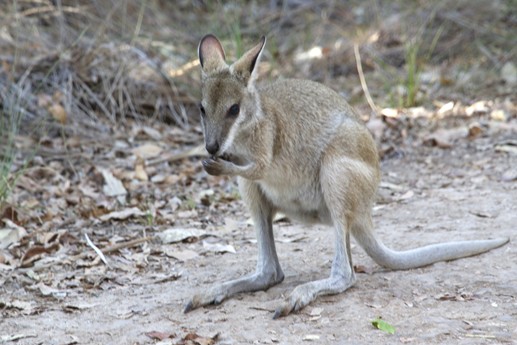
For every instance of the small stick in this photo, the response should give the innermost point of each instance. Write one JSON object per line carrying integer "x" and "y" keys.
{"x": 127, "y": 244}
{"x": 97, "y": 250}
{"x": 196, "y": 151}
{"x": 361, "y": 78}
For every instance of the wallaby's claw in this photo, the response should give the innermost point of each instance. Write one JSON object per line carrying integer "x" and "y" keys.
{"x": 188, "y": 307}
{"x": 287, "y": 308}
{"x": 203, "y": 300}
{"x": 279, "y": 312}
{"x": 301, "y": 296}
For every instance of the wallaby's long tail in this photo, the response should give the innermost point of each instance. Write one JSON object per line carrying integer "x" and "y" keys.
{"x": 422, "y": 256}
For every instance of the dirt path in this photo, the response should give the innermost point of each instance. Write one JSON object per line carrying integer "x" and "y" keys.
{"x": 430, "y": 195}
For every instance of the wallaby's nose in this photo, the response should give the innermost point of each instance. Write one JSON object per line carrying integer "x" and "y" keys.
{"x": 212, "y": 148}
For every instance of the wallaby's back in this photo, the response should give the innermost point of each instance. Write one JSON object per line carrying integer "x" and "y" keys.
{"x": 304, "y": 127}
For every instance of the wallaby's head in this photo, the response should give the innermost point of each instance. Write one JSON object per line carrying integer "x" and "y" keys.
{"x": 230, "y": 100}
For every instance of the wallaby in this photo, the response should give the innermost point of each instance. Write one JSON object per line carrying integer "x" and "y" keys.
{"x": 297, "y": 147}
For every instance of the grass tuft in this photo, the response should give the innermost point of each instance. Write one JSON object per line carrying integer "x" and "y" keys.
{"x": 12, "y": 98}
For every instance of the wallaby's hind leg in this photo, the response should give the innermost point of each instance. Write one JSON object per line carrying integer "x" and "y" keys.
{"x": 341, "y": 278}
{"x": 337, "y": 176}
{"x": 268, "y": 271}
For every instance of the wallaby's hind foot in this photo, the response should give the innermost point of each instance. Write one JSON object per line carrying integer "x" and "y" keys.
{"x": 342, "y": 276}
{"x": 304, "y": 294}
{"x": 218, "y": 293}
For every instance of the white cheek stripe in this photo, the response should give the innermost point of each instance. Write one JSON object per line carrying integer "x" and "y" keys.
{"x": 237, "y": 124}
{"x": 231, "y": 135}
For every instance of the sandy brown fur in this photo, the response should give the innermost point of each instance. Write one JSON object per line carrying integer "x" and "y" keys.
{"x": 297, "y": 147}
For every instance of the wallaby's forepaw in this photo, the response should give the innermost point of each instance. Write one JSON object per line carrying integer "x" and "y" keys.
{"x": 217, "y": 167}
{"x": 202, "y": 300}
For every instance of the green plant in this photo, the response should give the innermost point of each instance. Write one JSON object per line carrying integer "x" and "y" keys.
{"x": 412, "y": 74}
{"x": 149, "y": 217}
{"x": 235, "y": 30}
{"x": 190, "y": 203}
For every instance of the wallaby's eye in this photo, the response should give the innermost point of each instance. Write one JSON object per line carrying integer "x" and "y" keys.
{"x": 202, "y": 109}
{"x": 234, "y": 110}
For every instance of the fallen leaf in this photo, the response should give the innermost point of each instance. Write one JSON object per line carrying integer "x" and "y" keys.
{"x": 407, "y": 195}
{"x": 180, "y": 234}
{"x": 123, "y": 214}
{"x": 157, "y": 279}
{"x": 25, "y": 307}
{"x": 392, "y": 186}
{"x": 510, "y": 148}
{"x": 316, "y": 311}
{"x": 36, "y": 252}
{"x": 12, "y": 233}
{"x": 140, "y": 172}
{"x": 509, "y": 175}
{"x": 446, "y": 109}
{"x": 498, "y": 115}
{"x": 89, "y": 192}
{"x": 297, "y": 238}
{"x": 150, "y": 132}
{"x": 187, "y": 214}
{"x": 390, "y": 112}
{"x": 458, "y": 297}
{"x": 279, "y": 216}
{"x": 181, "y": 255}
{"x": 475, "y": 130}
{"x": 479, "y": 107}
{"x": 509, "y": 74}
{"x": 113, "y": 186}
{"x": 405, "y": 340}
{"x": 218, "y": 247}
{"x": 10, "y": 213}
{"x": 159, "y": 178}
{"x": 74, "y": 307}
{"x": 362, "y": 269}
{"x": 14, "y": 337}
{"x": 147, "y": 151}
{"x": 47, "y": 291}
{"x": 195, "y": 339}
{"x": 311, "y": 337}
{"x": 58, "y": 113}
{"x": 372, "y": 305}
{"x": 383, "y": 325}
{"x": 160, "y": 335}
{"x": 44, "y": 100}
{"x": 3, "y": 257}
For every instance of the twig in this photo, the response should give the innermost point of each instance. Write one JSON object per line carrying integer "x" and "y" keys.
{"x": 127, "y": 244}
{"x": 482, "y": 336}
{"x": 97, "y": 250}
{"x": 196, "y": 151}
{"x": 361, "y": 78}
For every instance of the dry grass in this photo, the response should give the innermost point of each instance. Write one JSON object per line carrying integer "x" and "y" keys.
{"x": 103, "y": 61}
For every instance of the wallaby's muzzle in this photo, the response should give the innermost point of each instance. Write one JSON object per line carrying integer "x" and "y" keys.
{"x": 212, "y": 147}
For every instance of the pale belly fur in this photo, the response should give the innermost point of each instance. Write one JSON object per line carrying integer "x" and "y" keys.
{"x": 303, "y": 202}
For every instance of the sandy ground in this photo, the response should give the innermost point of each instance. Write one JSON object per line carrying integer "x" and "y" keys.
{"x": 441, "y": 195}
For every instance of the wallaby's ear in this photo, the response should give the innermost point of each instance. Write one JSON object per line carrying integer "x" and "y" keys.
{"x": 211, "y": 54}
{"x": 244, "y": 68}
